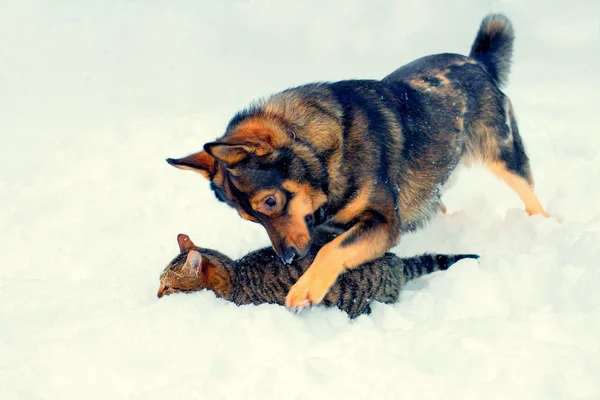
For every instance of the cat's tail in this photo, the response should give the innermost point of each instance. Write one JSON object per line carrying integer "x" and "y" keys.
{"x": 415, "y": 267}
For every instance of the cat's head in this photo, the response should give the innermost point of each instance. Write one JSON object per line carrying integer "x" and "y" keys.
{"x": 195, "y": 269}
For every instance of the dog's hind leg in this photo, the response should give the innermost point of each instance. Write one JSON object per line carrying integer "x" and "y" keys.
{"x": 512, "y": 165}
{"x": 523, "y": 186}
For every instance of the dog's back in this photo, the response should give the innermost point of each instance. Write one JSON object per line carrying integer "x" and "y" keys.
{"x": 474, "y": 82}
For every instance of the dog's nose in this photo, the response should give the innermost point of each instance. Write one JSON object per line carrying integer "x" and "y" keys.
{"x": 288, "y": 254}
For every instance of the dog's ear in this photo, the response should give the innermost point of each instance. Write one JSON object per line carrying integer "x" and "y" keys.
{"x": 200, "y": 162}
{"x": 251, "y": 137}
{"x": 230, "y": 153}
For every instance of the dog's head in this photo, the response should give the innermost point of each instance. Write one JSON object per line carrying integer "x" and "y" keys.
{"x": 270, "y": 177}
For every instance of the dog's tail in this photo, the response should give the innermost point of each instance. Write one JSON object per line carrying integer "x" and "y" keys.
{"x": 424, "y": 264}
{"x": 493, "y": 46}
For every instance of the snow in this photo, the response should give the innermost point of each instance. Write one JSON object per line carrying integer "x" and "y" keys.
{"x": 95, "y": 95}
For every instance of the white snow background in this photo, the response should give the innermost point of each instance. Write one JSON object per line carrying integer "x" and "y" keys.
{"x": 94, "y": 95}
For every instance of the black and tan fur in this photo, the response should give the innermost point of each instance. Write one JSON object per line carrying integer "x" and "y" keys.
{"x": 370, "y": 156}
{"x": 260, "y": 277}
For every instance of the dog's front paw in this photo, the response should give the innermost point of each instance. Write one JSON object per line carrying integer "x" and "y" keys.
{"x": 297, "y": 299}
{"x": 307, "y": 291}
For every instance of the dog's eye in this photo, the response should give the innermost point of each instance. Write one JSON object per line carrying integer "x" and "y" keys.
{"x": 166, "y": 287}
{"x": 270, "y": 202}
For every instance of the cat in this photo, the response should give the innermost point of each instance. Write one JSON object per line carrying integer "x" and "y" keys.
{"x": 260, "y": 276}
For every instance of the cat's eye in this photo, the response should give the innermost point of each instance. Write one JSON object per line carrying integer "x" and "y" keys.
{"x": 270, "y": 202}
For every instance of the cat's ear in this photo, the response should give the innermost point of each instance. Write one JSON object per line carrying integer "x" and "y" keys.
{"x": 193, "y": 263}
{"x": 184, "y": 242}
{"x": 200, "y": 162}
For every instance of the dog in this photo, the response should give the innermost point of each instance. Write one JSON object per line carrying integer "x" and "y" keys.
{"x": 368, "y": 156}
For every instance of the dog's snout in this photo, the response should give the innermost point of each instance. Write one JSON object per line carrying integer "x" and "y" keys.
{"x": 288, "y": 254}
